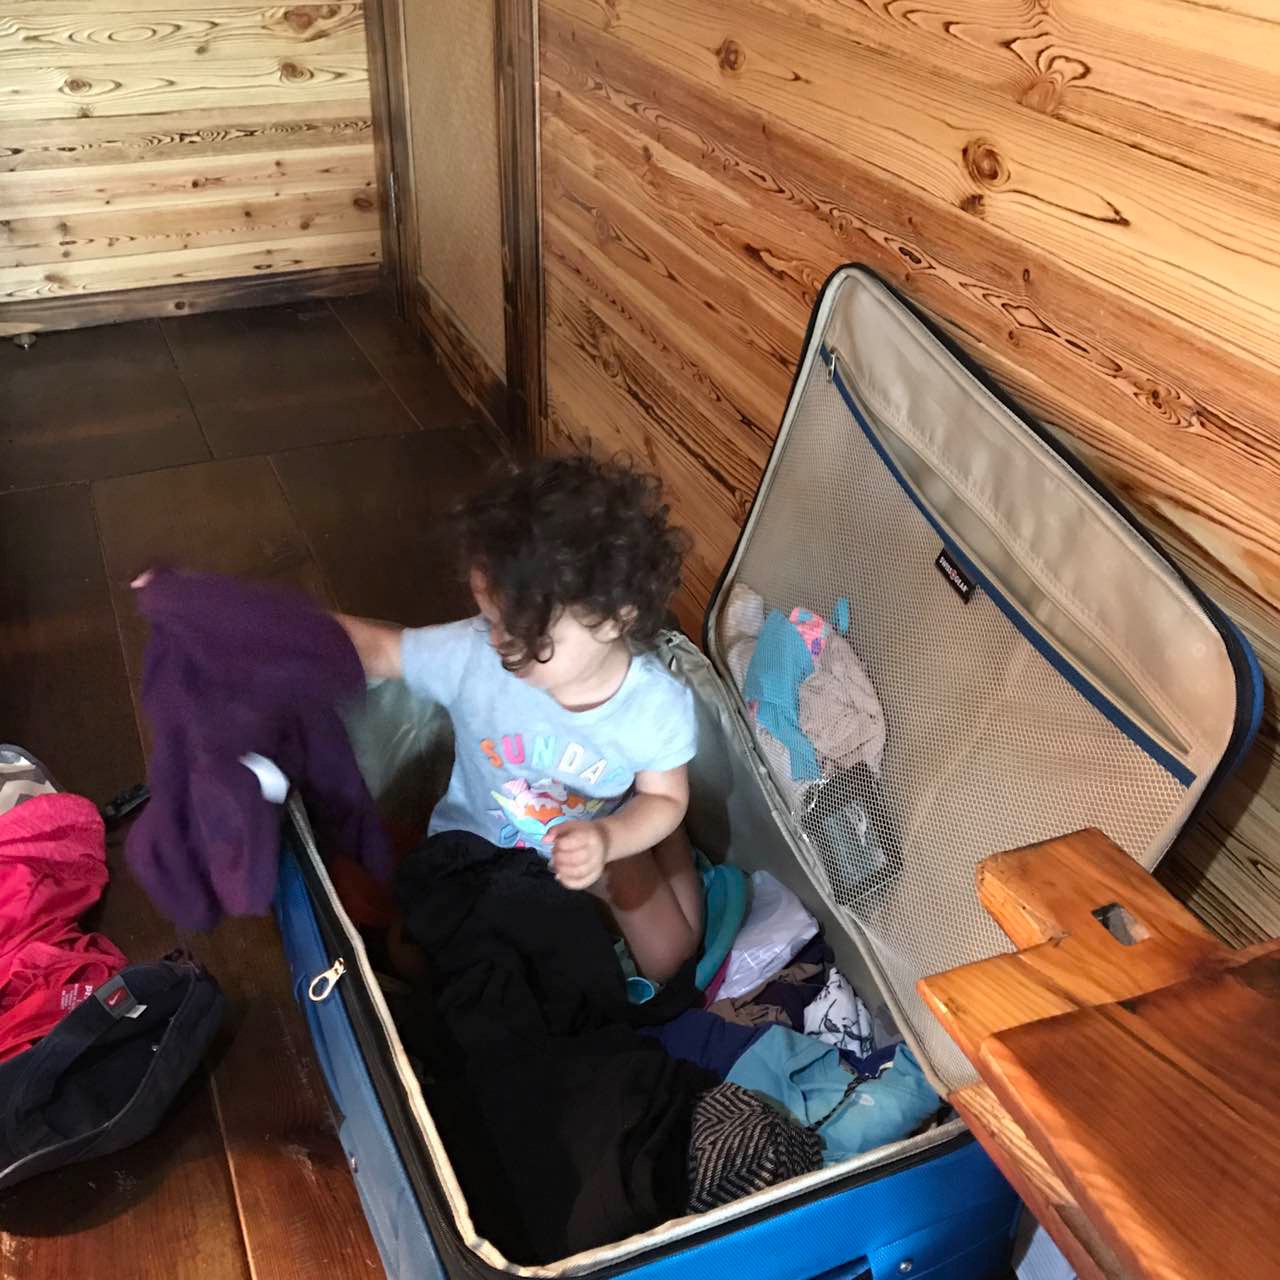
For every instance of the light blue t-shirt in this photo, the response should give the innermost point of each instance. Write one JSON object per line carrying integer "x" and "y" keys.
{"x": 522, "y": 763}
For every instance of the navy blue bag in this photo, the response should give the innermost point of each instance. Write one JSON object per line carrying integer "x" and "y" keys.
{"x": 104, "y": 1076}
{"x": 1005, "y": 657}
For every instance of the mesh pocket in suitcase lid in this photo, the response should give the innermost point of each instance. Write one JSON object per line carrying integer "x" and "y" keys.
{"x": 988, "y": 744}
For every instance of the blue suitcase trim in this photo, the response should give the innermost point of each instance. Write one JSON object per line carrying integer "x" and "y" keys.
{"x": 385, "y": 1191}
{"x": 950, "y": 1217}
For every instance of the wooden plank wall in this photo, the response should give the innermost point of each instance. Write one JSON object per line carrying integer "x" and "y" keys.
{"x": 161, "y": 142}
{"x": 1085, "y": 192}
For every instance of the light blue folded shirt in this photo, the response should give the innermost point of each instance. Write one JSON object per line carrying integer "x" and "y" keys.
{"x": 805, "y": 1076}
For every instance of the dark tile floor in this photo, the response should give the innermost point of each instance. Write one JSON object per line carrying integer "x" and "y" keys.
{"x": 315, "y": 445}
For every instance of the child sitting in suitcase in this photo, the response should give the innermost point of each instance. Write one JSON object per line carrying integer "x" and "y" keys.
{"x": 571, "y": 737}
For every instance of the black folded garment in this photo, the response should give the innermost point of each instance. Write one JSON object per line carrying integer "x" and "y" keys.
{"x": 105, "y": 1075}
{"x": 566, "y": 1127}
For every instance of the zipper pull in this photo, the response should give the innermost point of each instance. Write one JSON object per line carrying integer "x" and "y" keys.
{"x": 830, "y": 362}
{"x": 322, "y": 985}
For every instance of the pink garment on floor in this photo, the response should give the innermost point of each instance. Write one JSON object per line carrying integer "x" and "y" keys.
{"x": 53, "y": 868}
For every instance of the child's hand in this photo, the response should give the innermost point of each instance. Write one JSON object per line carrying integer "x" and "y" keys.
{"x": 579, "y": 851}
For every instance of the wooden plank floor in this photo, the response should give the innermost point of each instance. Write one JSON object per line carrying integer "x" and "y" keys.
{"x": 313, "y": 445}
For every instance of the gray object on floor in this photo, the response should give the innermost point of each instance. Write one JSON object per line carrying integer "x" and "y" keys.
{"x": 21, "y": 777}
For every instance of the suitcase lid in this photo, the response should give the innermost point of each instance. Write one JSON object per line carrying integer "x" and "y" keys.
{"x": 949, "y": 640}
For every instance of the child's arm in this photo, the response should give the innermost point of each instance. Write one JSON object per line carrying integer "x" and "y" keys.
{"x": 377, "y": 643}
{"x": 581, "y": 849}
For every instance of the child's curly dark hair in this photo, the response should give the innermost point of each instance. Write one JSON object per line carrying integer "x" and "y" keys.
{"x": 573, "y": 533}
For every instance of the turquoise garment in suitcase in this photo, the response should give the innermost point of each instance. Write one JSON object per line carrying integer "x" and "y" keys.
{"x": 1026, "y": 663}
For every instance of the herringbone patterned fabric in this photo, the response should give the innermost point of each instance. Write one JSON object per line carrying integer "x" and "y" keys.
{"x": 740, "y": 1144}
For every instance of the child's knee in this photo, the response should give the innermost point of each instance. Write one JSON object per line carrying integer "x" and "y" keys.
{"x": 630, "y": 882}
{"x": 678, "y": 946}
{"x": 676, "y": 865}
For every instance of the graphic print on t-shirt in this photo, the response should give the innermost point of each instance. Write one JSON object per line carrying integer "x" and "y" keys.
{"x": 534, "y": 810}
{"x": 529, "y": 810}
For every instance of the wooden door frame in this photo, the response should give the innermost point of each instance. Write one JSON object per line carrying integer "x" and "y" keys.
{"x": 516, "y": 68}
{"x": 520, "y": 405}
{"x": 384, "y": 36}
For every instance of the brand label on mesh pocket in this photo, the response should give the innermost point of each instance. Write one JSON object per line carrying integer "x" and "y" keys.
{"x": 960, "y": 582}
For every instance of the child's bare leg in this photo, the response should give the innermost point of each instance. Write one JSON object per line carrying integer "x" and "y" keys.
{"x": 674, "y": 857}
{"x": 647, "y": 895}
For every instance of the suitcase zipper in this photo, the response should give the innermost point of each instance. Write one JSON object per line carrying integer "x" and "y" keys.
{"x": 1169, "y": 743}
{"x": 320, "y": 988}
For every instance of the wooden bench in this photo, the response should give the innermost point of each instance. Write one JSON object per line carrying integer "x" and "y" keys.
{"x": 1130, "y": 1065}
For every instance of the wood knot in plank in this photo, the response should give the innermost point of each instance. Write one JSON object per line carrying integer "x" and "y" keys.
{"x": 292, "y": 71}
{"x": 984, "y": 163}
{"x": 77, "y": 85}
{"x": 972, "y": 203}
{"x": 731, "y": 55}
{"x": 1165, "y": 401}
{"x": 1043, "y": 95}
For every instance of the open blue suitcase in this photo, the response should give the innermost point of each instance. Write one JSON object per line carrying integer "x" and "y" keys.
{"x": 1040, "y": 667}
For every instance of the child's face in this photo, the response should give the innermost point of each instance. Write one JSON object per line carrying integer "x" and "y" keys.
{"x": 578, "y": 650}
